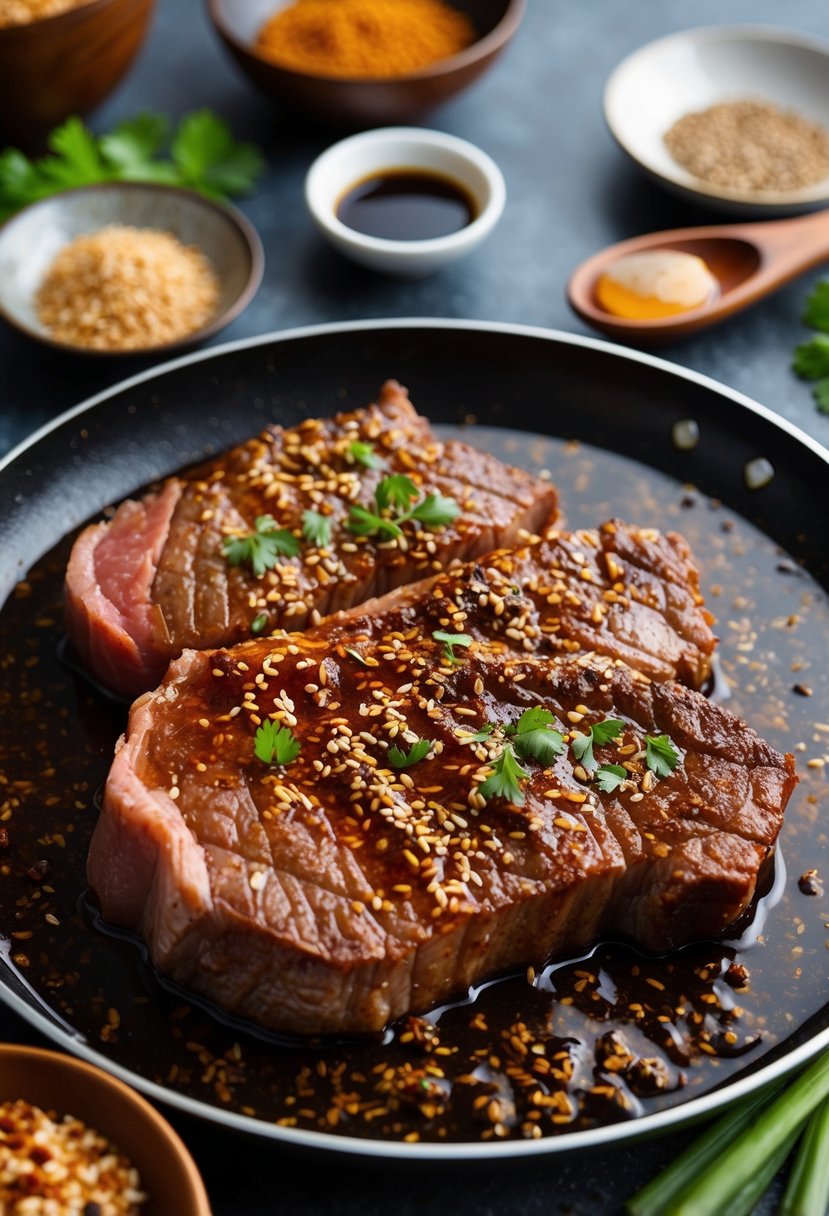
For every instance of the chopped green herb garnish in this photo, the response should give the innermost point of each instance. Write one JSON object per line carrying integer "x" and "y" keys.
{"x": 610, "y": 776}
{"x": 202, "y": 156}
{"x": 505, "y": 779}
{"x": 364, "y": 454}
{"x": 811, "y": 359}
{"x": 599, "y": 733}
{"x": 661, "y": 756}
{"x": 275, "y": 744}
{"x": 401, "y": 759}
{"x": 534, "y": 738}
{"x": 816, "y": 312}
{"x": 259, "y": 622}
{"x": 396, "y": 494}
{"x": 484, "y": 733}
{"x": 450, "y": 641}
{"x": 316, "y": 528}
{"x": 261, "y": 548}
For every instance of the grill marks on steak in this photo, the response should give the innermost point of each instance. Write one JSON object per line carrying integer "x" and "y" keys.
{"x": 626, "y": 592}
{"x": 167, "y": 550}
{"x": 338, "y": 892}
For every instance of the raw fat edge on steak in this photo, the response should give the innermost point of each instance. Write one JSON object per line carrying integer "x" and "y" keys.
{"x": 337, "y": 892}
{"x": 154, "y": 579}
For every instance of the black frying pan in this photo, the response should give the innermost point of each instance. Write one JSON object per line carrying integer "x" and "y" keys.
{"x": 512, "y": 377}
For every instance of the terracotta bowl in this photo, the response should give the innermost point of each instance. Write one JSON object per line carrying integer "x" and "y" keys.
{"x": 68, "y": 1086}
{"x": 65, "y": 64}
{"x": 355, "y": 102}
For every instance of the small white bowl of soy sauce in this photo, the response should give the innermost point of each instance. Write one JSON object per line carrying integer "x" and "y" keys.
{"x": 403, "y": 200}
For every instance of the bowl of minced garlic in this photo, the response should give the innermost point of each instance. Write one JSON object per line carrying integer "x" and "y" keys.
{"x": 75, "y": 1140}
{"x": 364, "y": 62}
{"x": 126, "y": 268}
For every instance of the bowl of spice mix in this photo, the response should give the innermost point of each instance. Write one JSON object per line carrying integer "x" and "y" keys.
{"x": 62, "y": 57}
{"x": 360, "y": 63}
{"x": 731, "y": 117}
{"x": 126, "y": 268}
{"x": 75, "y": 1140}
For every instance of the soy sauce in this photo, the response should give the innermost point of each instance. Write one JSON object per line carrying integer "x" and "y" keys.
{"x": 406, "y": 205}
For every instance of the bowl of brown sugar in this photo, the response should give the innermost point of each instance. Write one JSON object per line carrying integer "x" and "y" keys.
{"x": 732, "y": 117}
{"x": 126, "y": 268}
{"x": 359, "y": 63}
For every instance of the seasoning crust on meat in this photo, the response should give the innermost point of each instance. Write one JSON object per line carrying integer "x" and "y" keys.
{"x": 156, "y": 578}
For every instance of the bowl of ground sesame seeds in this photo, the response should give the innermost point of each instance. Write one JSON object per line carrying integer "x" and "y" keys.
{"x": 126, "y": 268}
{"x": 75, "y": 1140}
{"x": 731, "y": 117}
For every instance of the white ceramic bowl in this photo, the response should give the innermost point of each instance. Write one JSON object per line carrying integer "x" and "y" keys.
{"x": 361, "y": 156}
{"x": 695, "y": 69}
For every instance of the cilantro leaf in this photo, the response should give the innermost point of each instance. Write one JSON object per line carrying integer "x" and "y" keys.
{"x": 820, "y": 392}
{"x": 398, "y": 490}
{"x": 77, "y": 160}
{"x": 208, "y": 158}
{"x": 610, "y": 776}
{"x": 275, "y": 744}
{"x": 534, "y": 719}
{"x": 450, "y": 641}
{"x": 364, "y": 454}
{"x": 261, "y": 548}
{"x": 401, "y": 759}
{"x": 259, "y": 622}
{"x": 365, "y": 523}
{"x": 132, "y": 147}
{"x": 316, "y": 528}
{"x": 484, "y": 733}
{"x": 599, "y": 733}
{"x": 816, "y": 312}
{"x": 533, "y": 737}
{"x": 811, "y": 359}
{"x": 661, "y": 756}
{"x": 505, "y": 779}
{"x": 436, "y": 511}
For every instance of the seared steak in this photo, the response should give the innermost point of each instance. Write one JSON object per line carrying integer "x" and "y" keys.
{"x": 156, "y": 579}
{"x": 335, "y": 891}
{"x": 626, "y": 592}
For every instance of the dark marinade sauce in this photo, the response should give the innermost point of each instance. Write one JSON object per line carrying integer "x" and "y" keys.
{"x": 588, "y": 1041}
{"x": 406, "y": 205}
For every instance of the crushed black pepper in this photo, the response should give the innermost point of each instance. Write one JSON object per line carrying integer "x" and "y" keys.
{"x": 580, "y": 1043}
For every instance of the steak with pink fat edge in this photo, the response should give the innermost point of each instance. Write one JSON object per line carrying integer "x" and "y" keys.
{"x": 155, "y": 579}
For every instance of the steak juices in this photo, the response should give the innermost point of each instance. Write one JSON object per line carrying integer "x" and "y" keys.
{"x": 499, "y": 763}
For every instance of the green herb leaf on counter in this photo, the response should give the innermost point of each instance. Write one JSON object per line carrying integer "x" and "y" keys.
{"x": 821, "y": 395}
{"x": 599, "y": 733}
{"x": 364, "y": 454}
{"x": 205, "y": 157}
{"x": 261, "y": 548}
{"x": 316, "y": 528}
{"x": 811, "y": 359}
{"x": 816, "y": 312}
{"x": 610, "y": 776}
{"x": 418, "y": 751}
{"x": 505, "y": 779}
{"x": 661, "y": 756}
{"x": 275, "y": 744}
{"x": 450, "y": 641}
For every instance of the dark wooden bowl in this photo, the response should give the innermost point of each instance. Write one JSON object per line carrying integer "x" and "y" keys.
{"x": 352, "y": 102}
{"x": 65, "y": 64}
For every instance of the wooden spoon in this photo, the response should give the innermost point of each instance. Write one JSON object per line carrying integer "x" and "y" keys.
{"x": 748, "y": 261}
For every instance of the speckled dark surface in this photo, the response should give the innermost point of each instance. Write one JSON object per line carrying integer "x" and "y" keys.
{"x": 570, "y": 192}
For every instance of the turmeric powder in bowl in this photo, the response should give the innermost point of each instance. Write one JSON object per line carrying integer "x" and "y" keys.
{"x": 364, "y": 39}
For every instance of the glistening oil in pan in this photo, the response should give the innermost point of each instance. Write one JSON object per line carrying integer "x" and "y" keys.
{"x": 598, "y": 1039}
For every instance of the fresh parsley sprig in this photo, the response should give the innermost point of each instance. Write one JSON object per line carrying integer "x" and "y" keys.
{"x": 202, "y": 156}
{"x": 609, "y": 777}
{"x": 275, "y": 744}
{"x": 316, "y": 528}
{"x": 505, "y": 779}
{"x": 399, "y": 497}
{"x": 661, "y": 756}
{"x": 811, "y": 359}
{"x": 363, "y": 453}
{"x": 450, "y": 641}
{"x": 418, "y": 751}
{"x": 262, "y": 548}
{"x": 534, "y": 737}
{"x": 598, "y": 734}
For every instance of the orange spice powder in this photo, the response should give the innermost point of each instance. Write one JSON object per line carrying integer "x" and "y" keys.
{"x": 364, "y": 38}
